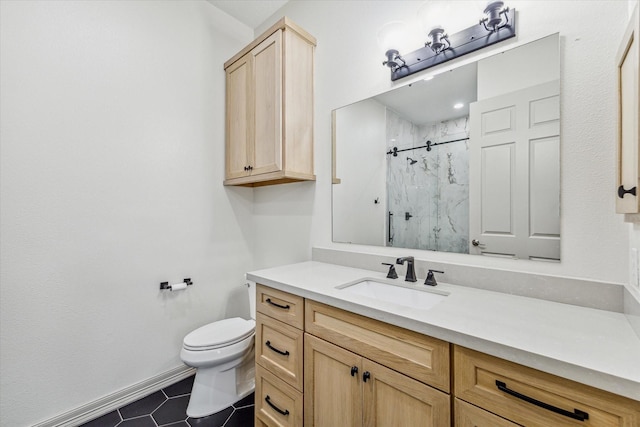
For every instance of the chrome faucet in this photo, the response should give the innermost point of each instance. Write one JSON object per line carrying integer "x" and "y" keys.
{"x": 411, "y": 271}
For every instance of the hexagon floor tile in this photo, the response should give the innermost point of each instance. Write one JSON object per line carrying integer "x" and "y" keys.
{"x": 168, "y": 408}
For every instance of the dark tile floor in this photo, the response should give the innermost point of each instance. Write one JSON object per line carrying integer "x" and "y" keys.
{"x": 167, "y": 408}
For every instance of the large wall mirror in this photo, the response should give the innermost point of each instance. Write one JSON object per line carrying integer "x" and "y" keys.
{"x": 466, "y": 162}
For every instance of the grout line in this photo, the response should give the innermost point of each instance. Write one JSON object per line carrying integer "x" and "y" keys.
{"x": 230, "y": 415}
{"x": 242, "y": 407}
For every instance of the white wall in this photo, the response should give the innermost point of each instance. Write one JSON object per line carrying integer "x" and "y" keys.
{"x": 112, "y": 136}
{"x": 361, "y": 166}
{"x": 348, "y": 68}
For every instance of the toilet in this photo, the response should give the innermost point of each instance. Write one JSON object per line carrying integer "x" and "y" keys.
{"x": 223, "y": 354}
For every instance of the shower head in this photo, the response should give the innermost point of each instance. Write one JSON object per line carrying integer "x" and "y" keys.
{"x": 411, "y": 161}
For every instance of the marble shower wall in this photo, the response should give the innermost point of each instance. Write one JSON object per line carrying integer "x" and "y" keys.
{"x": 429, "y": 199}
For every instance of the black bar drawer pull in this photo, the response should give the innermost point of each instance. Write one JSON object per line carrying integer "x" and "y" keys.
{"x": 576, "y": 414}
{"x": 280, "y": 411}
{"x": 284, "y": 307}
{"x": 284, "y": 353}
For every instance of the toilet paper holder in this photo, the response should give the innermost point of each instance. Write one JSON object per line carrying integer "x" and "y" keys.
{"x": 167, "y": 286}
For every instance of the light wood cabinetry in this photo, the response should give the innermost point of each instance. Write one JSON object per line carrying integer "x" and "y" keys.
{"x": 279, "y": 349}
{"x": 416, "y": 355}
{"x": 269, "y": 109}
{"x": 627, "y": 59}
{"x": 467, "y": 415}
{"x": 533, "y": 398}
{"x": 333, "y": 391}
{"x": 343, "y": 388}
{"x": 361, "y": 372}
{"x": 279, "y": 358}
{"x": 318, "y": 366}
{"x": 277, "y": 403}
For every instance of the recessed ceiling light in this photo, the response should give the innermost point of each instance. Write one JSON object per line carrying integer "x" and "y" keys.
{"x": 458, "y": 105}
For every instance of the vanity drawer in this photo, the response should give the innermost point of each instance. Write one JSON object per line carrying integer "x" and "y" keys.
{"x": 467, "y": 415}
{"x": 280, "y": 305}
{"x": 478, "y": 377}
{"x": 277, "y": 404}
{"x": 279, "y": 349}
{"x": 418, "y": 356}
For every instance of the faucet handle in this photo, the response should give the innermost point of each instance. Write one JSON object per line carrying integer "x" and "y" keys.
{"x": 392, "y": 271}
{"x": 431, "y": 279}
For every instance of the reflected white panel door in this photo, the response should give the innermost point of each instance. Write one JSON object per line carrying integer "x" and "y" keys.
{"x": 514, "y": 168}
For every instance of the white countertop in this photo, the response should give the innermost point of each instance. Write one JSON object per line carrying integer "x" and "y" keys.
{"x": 594, "y": 347}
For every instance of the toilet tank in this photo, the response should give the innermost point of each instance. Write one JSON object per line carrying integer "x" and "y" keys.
{"x": 251, "y": 288}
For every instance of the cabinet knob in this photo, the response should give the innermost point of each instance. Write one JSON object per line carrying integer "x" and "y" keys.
{"x": 622, "y": 191}
{"x": 366, "y": 376}
{"x": 354, "y": 371}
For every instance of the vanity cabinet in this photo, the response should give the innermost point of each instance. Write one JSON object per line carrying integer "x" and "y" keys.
{"x": 361, "y": 372}
{"x": 343, "y": 388}
{"x": 318, "y": 365}
{"x": 269, "y": 109}
{"x": 279, "y": 358}
{"x": 627, "y": 59}
{"x": 525, "y": 396}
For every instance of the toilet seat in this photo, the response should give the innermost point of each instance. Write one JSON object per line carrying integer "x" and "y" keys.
{"x": 219, "y": 334}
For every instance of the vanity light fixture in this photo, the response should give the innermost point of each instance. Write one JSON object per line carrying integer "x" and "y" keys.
{"x": 438, "y": 39}
{"x": 496, "y": 16}
{"x": 498, "y": 24}
{"x": 391, "y": 37}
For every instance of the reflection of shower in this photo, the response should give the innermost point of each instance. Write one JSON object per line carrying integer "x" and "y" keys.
{"x": 411, "y": 161}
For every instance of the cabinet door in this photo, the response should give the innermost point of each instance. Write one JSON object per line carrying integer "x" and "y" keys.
{"x": 239, "y": 112}
{"x": 332, "y": 395}
{"x": 395, "y": 400}
{"x": 627, "y": 200}
{"x": 266, "y": 152}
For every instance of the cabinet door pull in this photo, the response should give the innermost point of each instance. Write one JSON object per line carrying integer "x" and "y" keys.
{"x": 366, "y": 376}
{"x": 284, "y": 353}
{"x": 622, "y": 191}
{"x": 280, "y": 411}
{"x": 576, "y": 414}
{"x": 354, "y": 371}
{"x": 284, "y": 307}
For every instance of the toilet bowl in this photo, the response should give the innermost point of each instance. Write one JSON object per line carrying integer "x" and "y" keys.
{"x": 223, "y": 354}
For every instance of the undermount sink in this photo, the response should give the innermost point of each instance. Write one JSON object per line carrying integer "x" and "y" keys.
{"x": 395, "y": 293}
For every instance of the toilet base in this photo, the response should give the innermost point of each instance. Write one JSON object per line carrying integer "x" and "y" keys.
{"x": 215, "y": 389}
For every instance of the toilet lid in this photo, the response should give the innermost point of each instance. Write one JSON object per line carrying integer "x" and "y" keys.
{"x": 219, "y": 334}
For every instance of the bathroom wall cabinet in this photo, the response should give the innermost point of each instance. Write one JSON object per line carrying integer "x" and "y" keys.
{"x": 628, "y": 57}
{"x": 362, "y": 372}
{"x": 269, "y": 109}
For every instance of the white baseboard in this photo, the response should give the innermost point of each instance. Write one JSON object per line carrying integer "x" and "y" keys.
{"x": 116, "y": 400}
